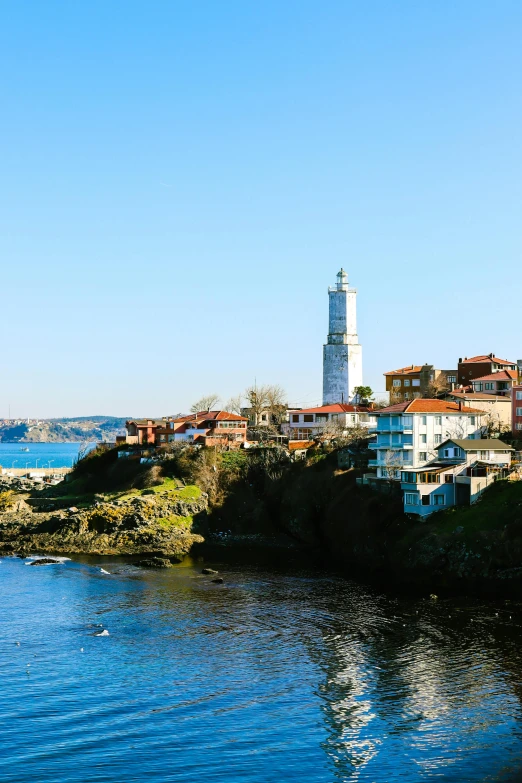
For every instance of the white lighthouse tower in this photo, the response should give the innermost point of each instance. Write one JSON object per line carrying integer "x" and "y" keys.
{"x": 342, "y": 354}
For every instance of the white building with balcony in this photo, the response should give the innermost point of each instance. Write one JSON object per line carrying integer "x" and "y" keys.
{"x": 410, "y": 433}
{"x": 463, "y": 470}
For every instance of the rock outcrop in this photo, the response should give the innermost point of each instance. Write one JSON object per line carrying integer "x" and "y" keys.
{"x": 155, "y": 524}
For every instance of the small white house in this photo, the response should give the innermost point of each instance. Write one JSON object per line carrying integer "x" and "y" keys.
{"x": 308, "y": 423}
{"x": 460, "y": 474}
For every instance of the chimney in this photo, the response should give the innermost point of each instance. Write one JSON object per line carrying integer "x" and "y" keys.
{"x": 490, "y": 355}
{"x": 460, "y": 405}
{"x": 460, "y": 360}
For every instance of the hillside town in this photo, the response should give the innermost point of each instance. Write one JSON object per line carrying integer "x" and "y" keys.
{"x": 442, "y": 437}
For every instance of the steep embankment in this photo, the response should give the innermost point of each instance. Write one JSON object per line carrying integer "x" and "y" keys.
{"x": 470, "y": 549}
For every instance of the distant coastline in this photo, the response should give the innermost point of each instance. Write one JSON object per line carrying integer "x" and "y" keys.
{"x": 67, "y": 430}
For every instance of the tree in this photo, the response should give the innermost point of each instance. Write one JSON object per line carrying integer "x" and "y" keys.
{"x": 392, "y": 464}
{"x": 437, "y": 386}
{"x": 235, "y": 404}
{"x": 268, "y": 399}
{"x": 340, "y": 434}
{"x": 363, "y": 395}
{"x": 205, "y": 403}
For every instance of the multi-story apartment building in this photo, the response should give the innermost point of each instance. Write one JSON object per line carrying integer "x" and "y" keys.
{"x": 409, "y": 383}
{"x": 516, "y": 410}
{"x": 460, "y": 474}
{"x": 476, "y": 367}
{"x": 409, "y": 433}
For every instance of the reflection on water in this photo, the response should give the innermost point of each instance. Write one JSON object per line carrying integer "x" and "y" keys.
{"x": 274, "y": 676}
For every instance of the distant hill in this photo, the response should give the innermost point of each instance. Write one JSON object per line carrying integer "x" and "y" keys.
{"x": 83, "y": 428}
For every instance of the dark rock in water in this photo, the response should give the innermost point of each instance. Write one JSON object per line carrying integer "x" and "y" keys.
{"x": 218, "y": 581}
{"x": 155, "y": 562}
{"x": 208, "y": 571}
{"x": 44, "y": 561}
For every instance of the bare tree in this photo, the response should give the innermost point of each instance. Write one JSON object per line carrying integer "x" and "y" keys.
{"x": 235, "y": 404}
{"x": 392, "y": 464}
{"x": 205, "y": 403}
{"x": 437, "y": 387}
{"x": 276, "y": 403}
{"x": 340, "y": 434}
{"x": 268, "y": 399}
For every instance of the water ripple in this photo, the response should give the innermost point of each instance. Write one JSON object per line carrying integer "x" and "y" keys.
{"x": 272, "y": 677}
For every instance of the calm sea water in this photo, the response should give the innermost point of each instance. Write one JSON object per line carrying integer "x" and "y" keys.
{"x": 276, "y": 675}
{"x": 61, "y": 455}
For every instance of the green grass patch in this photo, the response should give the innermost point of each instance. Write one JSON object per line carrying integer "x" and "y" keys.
{"x": 178, "y": 522}
{"x": 170, "y": 486}
{"x": 500, "y": 505}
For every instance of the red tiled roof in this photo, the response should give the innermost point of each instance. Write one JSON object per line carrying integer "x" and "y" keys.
{"x": 293, "y": 445}
{"x": 478, "y": 359}
{"x": 427, "y": 406}
{"x": 411, "y": 369}
{"x": 211, "y": 416}
{"x": 472, "y": 395}
{"x": 338, "y": 407}
{"x": 501, "y": 375}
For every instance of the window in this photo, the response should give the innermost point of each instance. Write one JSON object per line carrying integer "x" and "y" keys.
{"x": 423, "y": 456}
{"x": 451, "y": 378}
{"x": 301, "y": 433}
{"x": 425, "y": 500}
{"x": 439, "y": 500}
{"x": 483, "y": 454}
{"x": 519, "y": 425}
{"x": 406, "y": 382}
{"x": 423, "y": 438}
{"x": 519, "y": 395}
{"x": 519, "y": 411}
{"x": 411, "y": 499}
{"x": 321, "y": 417}
{"x": 424, "y": 420}
{"x": 397, "y": 382}
{"x": 395, "y": 421}
{"x": 473, "y": 421}
{"x": 308, "y": 417}
{"x": 409, "y": 478}
{"x": 407, "y": 396}
{"x": 407, "y": 422}
{"x": 429, "y": 478}
{"x": 449, "y": 479}
{"x": 416, "y": 394}
{"x": 295, "y": 418}
{"x": 438, "y": 439}
{"x": 264, "y": 417}
{"x": 415, "y": 382}
{"x": 502, "y": 386}
{"x": 438, "y": 421}
{"x": 353, "y": 418}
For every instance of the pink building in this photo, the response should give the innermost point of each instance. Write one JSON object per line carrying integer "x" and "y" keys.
{"x": 516, "y": 410}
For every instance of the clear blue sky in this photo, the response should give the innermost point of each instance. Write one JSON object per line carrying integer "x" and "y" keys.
{"x": 181, "y": 182}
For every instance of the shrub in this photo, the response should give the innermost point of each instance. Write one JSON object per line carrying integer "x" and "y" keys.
{"x": 6, "y": 500}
